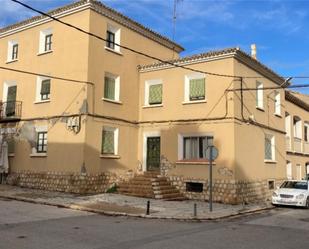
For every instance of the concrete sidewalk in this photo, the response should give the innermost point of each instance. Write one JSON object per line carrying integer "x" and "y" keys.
{"x": 115, "y": 204}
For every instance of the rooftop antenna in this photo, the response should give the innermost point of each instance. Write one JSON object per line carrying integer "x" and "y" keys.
{"x": 174, "y": 22}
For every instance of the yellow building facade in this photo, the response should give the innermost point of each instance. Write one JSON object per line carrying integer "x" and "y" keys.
{"x": 80, "y": 114}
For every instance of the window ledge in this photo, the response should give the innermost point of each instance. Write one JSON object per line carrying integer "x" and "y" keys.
{"x": 109, "y": 156}
{"x": 41, "y": 101}
{"x": 260, "y": 109}
{"x": 38, "y": 155}
{"x": 113, "y": 50}
{"x": 11, "y": 61}
{"x": 152, "y": 106}
{"x": 11, "y": 154}
{"x": 194, "y": 102}
{"x": 112, "y": 101}
{"x": 270, "y": 161}
{"x": 278, "y": 115}
{"x": 202, "y": 162}
{"x": 45, "y": 52}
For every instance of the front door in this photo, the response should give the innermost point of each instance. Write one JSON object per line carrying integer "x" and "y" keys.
{"x": 153, "y": 153}
{"x": 11, "y": 101}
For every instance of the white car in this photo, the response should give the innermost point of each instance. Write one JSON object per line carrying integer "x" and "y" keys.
{"x": 292, "y": 193}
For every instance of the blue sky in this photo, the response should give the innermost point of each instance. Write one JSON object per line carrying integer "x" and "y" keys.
{"x": 279, "y": 28}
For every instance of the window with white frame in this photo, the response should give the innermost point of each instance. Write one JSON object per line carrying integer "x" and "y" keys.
{"x": 194, "y": 147}
{"x": 277, "y": 101}
{"x": 109, "y": 145}
{"x": 306, "y": 132}
{"x": 46, "y": 40}
{"x": 113, "y": 38}
{"x": 41, "y": 139}
{"x": 43, "y": 89}
{"x": 111, "y": 87}
{"x": 12, "y": 51}
{"x": 259, "y": 95}
{"x": 153, "y": 92}
{"x": 195, "y": 87}
{"x": 269, "y": 147}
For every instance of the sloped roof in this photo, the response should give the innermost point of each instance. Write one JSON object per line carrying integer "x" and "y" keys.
{"x": 297, "y": 98}
{"x": 105, "y": 11}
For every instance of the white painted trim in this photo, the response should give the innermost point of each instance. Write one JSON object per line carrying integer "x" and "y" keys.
{"x": 6, "y": 85}
{"x": 41, "y": 128}
{"x": 189, "y": 77}
{"x": 181, "y": 136}
{"x": 45, "y": 20}
{"x": 277, "y": 103}
{"x": 43, "y": 34}
{"x": 149, "y": 83}
{"x": 39, "y": 80}
{"x": 145, "y": 136}
{"x": 273, "y": 148}
{"x": 117, "y": 32}
{"x": 117, "y": 87}
{"x": 11, "y": 43}
{"x": 116, "y": 138}
{"x": 259, "y": 95}
{"x": 289, "y": 171}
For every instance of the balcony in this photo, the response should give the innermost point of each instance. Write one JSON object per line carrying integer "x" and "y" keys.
{"x": 297, "y": 145}
{"x": 10, "y": 111}
{"x": 306, "y": 147}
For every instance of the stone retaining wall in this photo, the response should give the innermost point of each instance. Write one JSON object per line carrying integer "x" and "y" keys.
{"x": 228, "y": 191}
{"x": 79, "y": 183}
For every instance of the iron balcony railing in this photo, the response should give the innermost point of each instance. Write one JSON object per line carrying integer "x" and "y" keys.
{"x": 10, "y": 110}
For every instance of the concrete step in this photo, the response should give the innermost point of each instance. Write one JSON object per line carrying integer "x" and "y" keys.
{"x": 168, "y": 196}
{"x": 166, "y": 191}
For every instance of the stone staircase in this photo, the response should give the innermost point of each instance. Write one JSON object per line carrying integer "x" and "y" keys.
{"x": 150, "y": 185}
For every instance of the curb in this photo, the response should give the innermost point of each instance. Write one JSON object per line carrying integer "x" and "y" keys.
{"x": 111, "y": 213}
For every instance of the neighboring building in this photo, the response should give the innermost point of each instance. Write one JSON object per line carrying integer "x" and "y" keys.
{"x": 136, "y": 115}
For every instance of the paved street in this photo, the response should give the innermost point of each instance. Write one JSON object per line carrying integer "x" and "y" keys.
{"x": 25, "y": 225}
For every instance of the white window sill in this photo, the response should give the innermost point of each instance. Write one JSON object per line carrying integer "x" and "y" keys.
{"x": 41, "y": 101}
{"x": 11, "y": 154}
{"x": 152, "y": 106}
{"x": 45, "y": 52}
{"x": 260, "y": 108}
{"x": 113, "y": 50}
{"x": 112, "y": 101}
{"x": 194, "y": 102}
{"x": 109, "y": 156}
{"x": 278, "y": 115}
{"x": 270, "y": 161}
{"x": 38, "y": 155}
{"x": 11, "y": 61}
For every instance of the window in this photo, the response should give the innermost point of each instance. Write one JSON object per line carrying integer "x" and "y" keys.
{"x": 194, "y": 187}
{"x": 306, "y": 132}
{"x": 12, "y": 51}
{"x": 271, "y": 184}
{"x": 109, "y": 141}
{"x": 48, "y": 42}
{"x": 277, "y": 103}
{"x": 110, "y": 39}
{"x": 43, "y": 89}
{"x": 113, "y": 38}
{"x": 269, "y": 147}
{"x": 46, "y": 37}
{"x": 111, "y": 87}
{"x": 41, "y": 146}
{"x": 259, "y": 95}
{"x": 153, "y": 92}
{"x": 195, "y": 87}
{"x": 195, "y": 147}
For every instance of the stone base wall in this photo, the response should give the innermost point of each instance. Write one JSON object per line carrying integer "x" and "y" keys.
{"x": 79, "y": 183}
{"x": 228, "y": 191}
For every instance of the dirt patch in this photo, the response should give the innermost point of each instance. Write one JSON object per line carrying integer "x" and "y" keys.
{"x": 110, "y": 207}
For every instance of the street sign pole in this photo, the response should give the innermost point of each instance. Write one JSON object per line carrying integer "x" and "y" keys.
{"x": 210, "y": 178}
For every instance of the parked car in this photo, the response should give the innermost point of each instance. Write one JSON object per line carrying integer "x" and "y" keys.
{"x": 292, "y": 193}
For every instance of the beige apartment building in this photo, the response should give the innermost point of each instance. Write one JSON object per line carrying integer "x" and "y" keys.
{"x": 80, "y": 114}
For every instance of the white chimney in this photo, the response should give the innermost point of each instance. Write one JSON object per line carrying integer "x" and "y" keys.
{"x": 253, "y": 51}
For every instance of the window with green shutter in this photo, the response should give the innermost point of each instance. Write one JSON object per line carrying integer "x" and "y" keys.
{"x": 197, "y": 89}
{"x": 109, "y": 88}
{"x": 155, "y": 94}
{"x": 45, "y": 89}
{"x": 108, "y": 142}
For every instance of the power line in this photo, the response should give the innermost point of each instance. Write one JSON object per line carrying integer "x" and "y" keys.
{"x": 47, "y": 76}
{"x": 269, "y": 88}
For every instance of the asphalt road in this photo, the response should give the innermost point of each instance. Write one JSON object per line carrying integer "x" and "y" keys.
{"x": 33, "y": 226}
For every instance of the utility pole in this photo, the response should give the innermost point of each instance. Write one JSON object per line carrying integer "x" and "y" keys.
{"x": 174, "y": 22}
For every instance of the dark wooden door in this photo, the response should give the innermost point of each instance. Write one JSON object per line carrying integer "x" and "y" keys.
{"x": 11, "y": 101}
{"x": 153, "y": 153}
